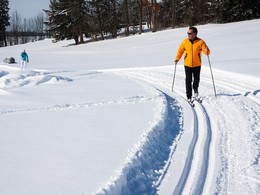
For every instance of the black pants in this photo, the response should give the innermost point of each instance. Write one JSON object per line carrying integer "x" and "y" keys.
{"x": 195, "y": 72}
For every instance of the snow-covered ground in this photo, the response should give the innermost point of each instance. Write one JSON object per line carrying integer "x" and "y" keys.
{"x": 100, "y": 118}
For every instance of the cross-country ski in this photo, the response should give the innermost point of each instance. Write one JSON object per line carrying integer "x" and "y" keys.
{"x": 191, "y": 102}
{"x": 198, "y": 99}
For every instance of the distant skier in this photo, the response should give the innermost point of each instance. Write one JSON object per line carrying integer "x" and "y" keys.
{"x": 192, "y": 47}
{"x": 24, "y": 60}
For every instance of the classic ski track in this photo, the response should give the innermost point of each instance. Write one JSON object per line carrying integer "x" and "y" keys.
{"x": 214, "y": 180}
{"x": 236, "y": 88}
{"x": 194, "y": 174}
{"x": 61, "y": 107}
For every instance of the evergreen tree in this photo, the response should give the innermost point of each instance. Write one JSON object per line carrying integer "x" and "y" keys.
{"x": 238, "y": 10}
{"x": 232, "y": 10}
{"x": 78, "y": 19}
{"x": 57, "y": 20}
{"x": 111, "y": 22}
{"x": 106, "y": 13}
{"x": 74, "y": 18}
{"x": 68, "y": 19}
{"x": 170, "y": 15}
{"x": 213, "y": 11}
{"x": 4, "y": 21}
{"x": 97, "y": 14}
{"x": 134, "y": 14}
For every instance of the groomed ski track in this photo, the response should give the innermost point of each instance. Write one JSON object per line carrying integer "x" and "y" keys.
{"x": 193, "y": 176}
{"x": 200, "y": 168}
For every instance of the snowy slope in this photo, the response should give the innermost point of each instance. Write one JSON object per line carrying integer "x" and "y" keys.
{"x": 101, "y": 117}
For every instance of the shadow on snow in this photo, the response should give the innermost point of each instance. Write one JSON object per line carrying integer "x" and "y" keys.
{"x": 147, "y": 167}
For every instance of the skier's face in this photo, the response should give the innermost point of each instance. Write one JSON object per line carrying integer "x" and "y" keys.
{"x": 191, "y": 34}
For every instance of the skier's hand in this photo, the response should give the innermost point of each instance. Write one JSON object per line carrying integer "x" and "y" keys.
{"x": 176, "y": 61}
{"x": 207, "y": 51}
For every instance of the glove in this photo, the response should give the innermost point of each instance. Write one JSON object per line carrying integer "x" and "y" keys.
{"x": 176, "y": 61}
{"x": 207, "y": 51}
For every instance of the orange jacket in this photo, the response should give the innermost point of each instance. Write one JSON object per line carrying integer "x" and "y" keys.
{"x": 192, "y": 52}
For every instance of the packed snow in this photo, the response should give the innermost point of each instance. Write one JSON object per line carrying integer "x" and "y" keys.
{"x": 101, "y": 118}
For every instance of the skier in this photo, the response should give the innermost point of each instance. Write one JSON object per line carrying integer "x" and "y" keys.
{"x": 24, "y": 60}
{"x": 192, "y": 47}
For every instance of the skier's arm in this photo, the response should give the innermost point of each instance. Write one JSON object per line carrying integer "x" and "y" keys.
{"x": 179, "y": 52}
{"x": 205, "y": 49}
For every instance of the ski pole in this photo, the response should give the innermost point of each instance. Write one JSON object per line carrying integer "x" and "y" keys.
{"x": 212, "y": 77}
{"x": 174, "y": 76}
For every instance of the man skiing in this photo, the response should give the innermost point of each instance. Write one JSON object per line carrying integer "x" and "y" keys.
{"x": 24, "y": 60}
{"x": 191, "y": 47}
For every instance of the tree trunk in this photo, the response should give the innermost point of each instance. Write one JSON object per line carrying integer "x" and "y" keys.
{"x": 76, "y": 39}
{"x": 5, "y": 41}
{"x": 114, "y": 25}
{"x": 81, "y": 35}
{"x": 154, "y": 16}
{"x": 141, "y": 18}
{"x": 100, "y": 24}
{"x": 127, "y": 18}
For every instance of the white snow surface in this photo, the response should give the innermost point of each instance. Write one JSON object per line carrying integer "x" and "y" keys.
{"x": 100, "y": 118}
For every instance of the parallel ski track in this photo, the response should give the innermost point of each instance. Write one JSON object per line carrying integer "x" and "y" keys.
{"x": 194, "y": 174}
{"x": 247, "y": 92}
{"x": 235, "y": 89}
{"x": 199, "y": 175}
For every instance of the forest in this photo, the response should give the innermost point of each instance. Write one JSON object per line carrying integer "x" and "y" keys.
{"x": 100, "y": 19}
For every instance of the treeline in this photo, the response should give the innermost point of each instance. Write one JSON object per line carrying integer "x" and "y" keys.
{"x": 67, "y": 19}
{"x": 186, "y": 12}
{"x": 14, "y": 29}
{"x": 23, "y": 30}
{"x": 95, "y": 18}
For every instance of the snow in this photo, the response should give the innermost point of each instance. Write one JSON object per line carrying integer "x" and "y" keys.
{"x": 100, "y": 118}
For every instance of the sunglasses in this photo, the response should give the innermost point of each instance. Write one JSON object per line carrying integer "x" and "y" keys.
{"x": 189, "y": 33}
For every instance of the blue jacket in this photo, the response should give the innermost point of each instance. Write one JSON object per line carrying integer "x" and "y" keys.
{"x": 24, "y": 56}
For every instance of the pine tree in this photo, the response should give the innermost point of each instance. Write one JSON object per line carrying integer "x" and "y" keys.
{"x": 57, "y": 20}
{"x": 74, "y": 18}
{"x": 169, "y": 15}
{"x": 134, "y": 14}
{"x": 111, "y": 19}
{"x": 68, "y": 19}
{"x": 4, "y": 21}
{"x": 238, "y": 10}
{"x": 78, "y": 19}
{"x": 97, "y": 15}
{"x": 213, "y": 11}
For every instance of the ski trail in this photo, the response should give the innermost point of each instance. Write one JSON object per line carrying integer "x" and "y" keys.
{"x": 146, "y": 167}
{"x": 59, "y": 107}
{"x": 238, "y": 90}
{"x": 212, "y": 153}
{"x": 244, "y": 137}
{"x": 235, "y": 128}
{"x": 194, "y": 173}
{"x": 203, "y": 145}
{"x": 249, "y": 88}
{"x": 188, "y": 162}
